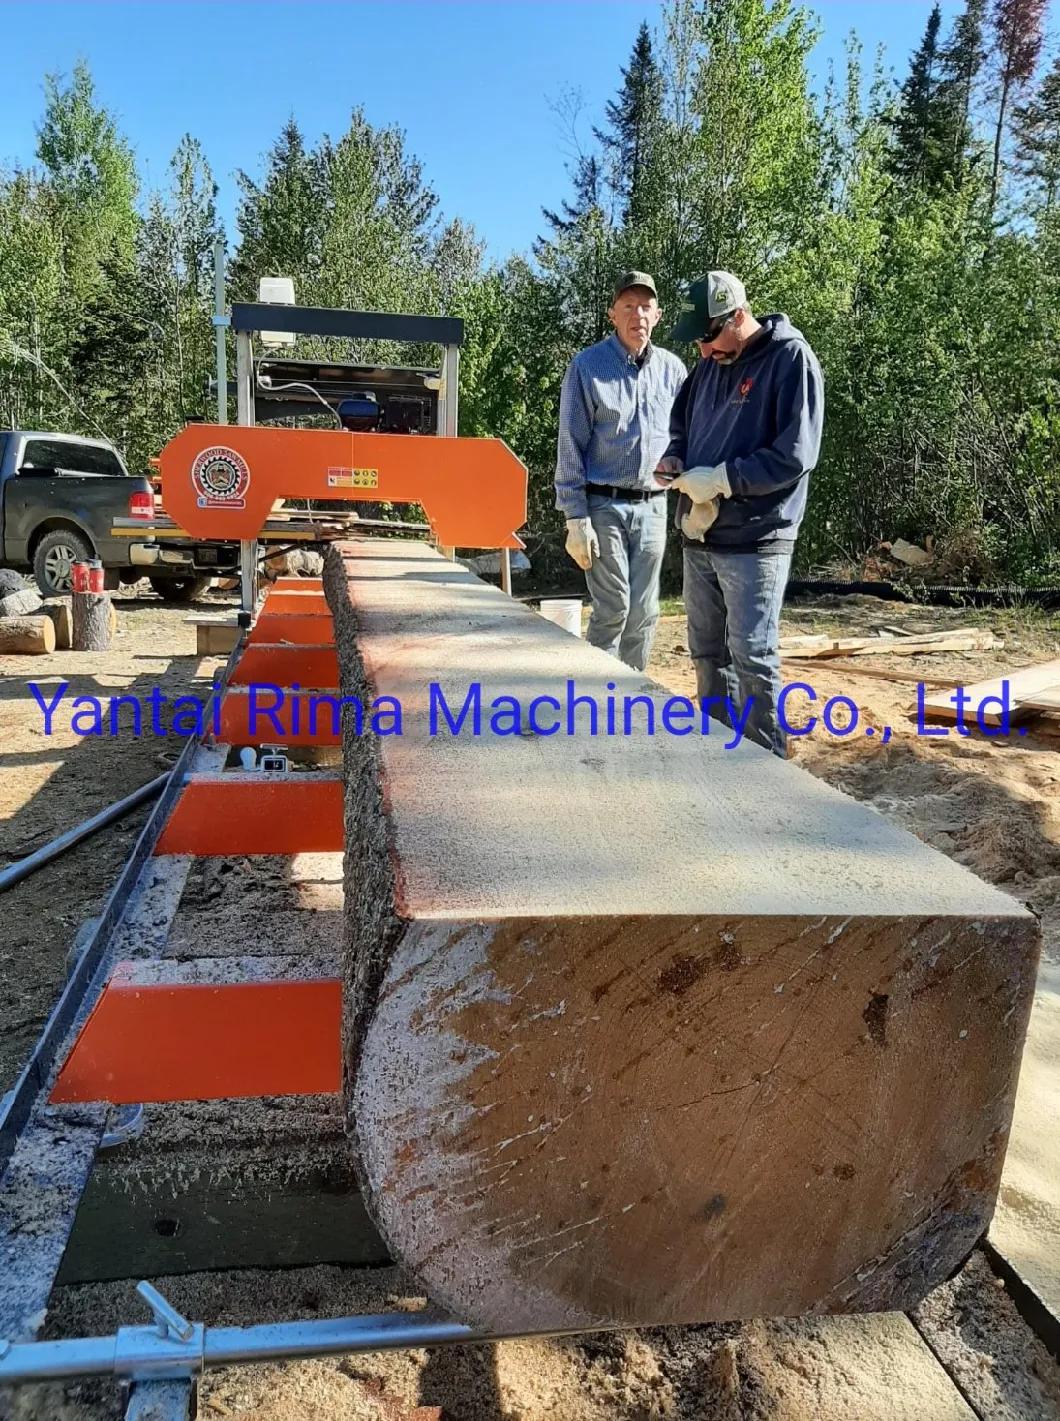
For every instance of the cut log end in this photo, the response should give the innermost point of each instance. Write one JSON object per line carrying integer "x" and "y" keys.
{"x": 30, "y": 636}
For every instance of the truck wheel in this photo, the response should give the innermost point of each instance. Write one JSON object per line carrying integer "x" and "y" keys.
{"x": 55, "y": 554}
{"x": 179, "y": 589}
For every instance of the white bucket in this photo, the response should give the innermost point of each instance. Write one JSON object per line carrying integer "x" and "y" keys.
{"x": 564, "y": 612}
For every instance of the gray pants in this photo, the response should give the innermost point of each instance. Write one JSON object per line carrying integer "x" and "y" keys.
{"x": 733, "y": 603}
{"x": 624, "y": 580}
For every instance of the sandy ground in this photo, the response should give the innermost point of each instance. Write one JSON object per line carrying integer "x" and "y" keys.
{"x": 988, "y": 803}
{"x": 49, "y": 783}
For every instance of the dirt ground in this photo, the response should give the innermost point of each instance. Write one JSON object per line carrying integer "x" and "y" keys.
{"x": 989, "y": 803}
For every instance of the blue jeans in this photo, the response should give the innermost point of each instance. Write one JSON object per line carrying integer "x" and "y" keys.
{"x": 624, "y": 579}
{"x": 733, "y": 603}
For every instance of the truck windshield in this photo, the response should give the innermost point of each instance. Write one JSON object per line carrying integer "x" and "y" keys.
{"x": 44, "y": 455}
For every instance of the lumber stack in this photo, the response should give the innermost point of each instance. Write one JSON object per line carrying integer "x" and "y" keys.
{"x": 642, "y": 1030}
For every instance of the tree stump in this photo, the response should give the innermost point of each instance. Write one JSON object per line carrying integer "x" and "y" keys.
{"x": 93, "y": 621}
{"x": 32, "y": 636}
{"x": 639, "y": 1029}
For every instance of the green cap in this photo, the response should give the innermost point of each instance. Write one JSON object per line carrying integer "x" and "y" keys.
{"x": 719, "y": 293}
{"x": 635, "y": 278}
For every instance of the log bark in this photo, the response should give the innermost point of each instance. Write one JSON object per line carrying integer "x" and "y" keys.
{"x": 33, "y": 636}
{"x": 93, "y": 621}
{"x": 639, "y": 1029}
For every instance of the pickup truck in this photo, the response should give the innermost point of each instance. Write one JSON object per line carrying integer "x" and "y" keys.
{"x": 61, "y": 496}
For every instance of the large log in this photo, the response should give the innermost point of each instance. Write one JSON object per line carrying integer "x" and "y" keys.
{"x": 34, "y": 636}
{"x": 61, "y": 616}
{"x": 642, "y": 1029}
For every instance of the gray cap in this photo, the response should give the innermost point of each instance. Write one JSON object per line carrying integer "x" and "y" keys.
{"x": 635, "y": 278}
{"x": 719, "y": 293}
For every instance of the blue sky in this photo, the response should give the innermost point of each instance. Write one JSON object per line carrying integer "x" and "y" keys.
{"x": 471, "y": 82}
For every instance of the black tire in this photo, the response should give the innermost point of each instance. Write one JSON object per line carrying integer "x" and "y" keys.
{"x": 178, "y": 589}
{"x": 53, "y": 556}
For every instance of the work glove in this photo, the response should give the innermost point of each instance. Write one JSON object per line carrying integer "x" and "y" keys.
{"x": 698, "y": 519}
{"x": 703, "y": 485}
{"x": 582, "y": 542}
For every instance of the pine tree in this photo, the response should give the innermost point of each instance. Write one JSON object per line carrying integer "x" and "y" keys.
{"x": 281, "y": 220}
{"x": 1037, "y": 129}
{"x": 634, "y": 133}
{"x": 915, "y": 125}
{"x": 1018, "y": 39}
{"x": 960, "y": 65}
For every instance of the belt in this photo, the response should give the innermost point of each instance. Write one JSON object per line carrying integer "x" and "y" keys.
{"x": 625, "y": 495}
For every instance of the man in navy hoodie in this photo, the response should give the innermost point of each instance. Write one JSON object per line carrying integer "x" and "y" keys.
{"x": 745, "y": 432}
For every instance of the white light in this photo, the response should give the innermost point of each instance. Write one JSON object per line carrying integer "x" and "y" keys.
{"x": 276, "y": 291}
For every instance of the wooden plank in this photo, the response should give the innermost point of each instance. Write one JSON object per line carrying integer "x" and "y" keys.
{"x": 1023, "y": 683}
{"x": 1047, "y": 700}
{"x": 637, "y": 1025}
{"x": 213, "y": 638}
{"x": 877, "y": 673}
{"x": 960, "y": 639}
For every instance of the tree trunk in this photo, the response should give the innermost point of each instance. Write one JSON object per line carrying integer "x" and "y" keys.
{"x": 92, "y": 621}
{"x": 35, "y": 636}
{"x": 998, "y": 137}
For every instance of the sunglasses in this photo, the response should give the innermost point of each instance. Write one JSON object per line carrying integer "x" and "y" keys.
{"x": 714, "y": 330}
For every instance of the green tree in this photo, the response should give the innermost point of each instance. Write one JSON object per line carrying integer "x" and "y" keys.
{"x": 961, "y": 63}
{"x": 1037, "y": 129}
{"x": 917, "y": 148}
{"x": 1018, "y": 36}
{"x": 281, "y": 220}
{"x": 634, "y": 135}
{"x": 91, "y": 175}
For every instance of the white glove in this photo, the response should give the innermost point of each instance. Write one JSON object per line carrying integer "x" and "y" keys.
{"x": 582, "y": 542}
{"x": 702, "y": 484}
{"x": 698, "y": 519}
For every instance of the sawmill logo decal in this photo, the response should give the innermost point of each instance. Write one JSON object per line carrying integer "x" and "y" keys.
{"x": 221, "y": 478}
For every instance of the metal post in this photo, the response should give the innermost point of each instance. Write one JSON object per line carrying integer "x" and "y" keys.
{"x": 452, "y": 390}
{"x": 506, "y": 571}
{"x": 448, "y": 406}
{"x": 220, "y": 322}
{"x": 244, "y": 378}
{"x": 248, "y": 550}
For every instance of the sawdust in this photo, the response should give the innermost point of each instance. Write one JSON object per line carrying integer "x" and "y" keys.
{"x": 1002, "y": 1368}
{"x": 835, "y": 1369}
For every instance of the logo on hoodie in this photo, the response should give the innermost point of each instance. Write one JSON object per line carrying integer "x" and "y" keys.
{"x": 742, "y": 391}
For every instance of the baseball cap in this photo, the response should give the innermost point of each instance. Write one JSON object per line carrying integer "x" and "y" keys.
{"x": 635, "y": 278}
{"x": 719, "y": 293}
